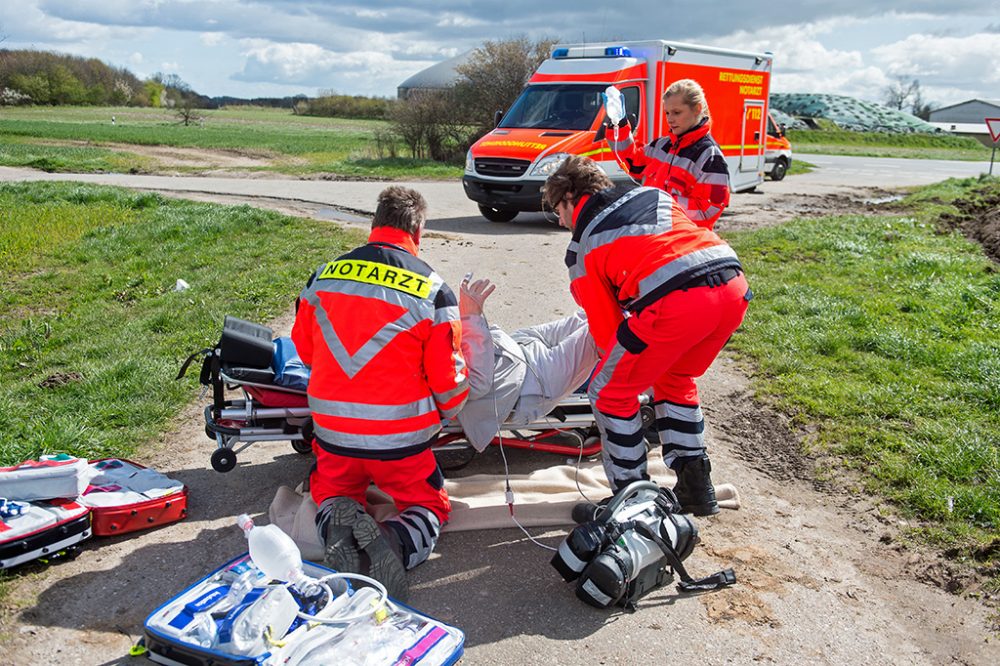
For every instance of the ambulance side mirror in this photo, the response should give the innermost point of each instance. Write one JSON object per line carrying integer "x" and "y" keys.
{"x": 497, "y": 117}
{"x": 782, "y": 128}
{"x": 601, "y": 133}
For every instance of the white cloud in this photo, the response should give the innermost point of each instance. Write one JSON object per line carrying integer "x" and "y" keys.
{"x": 458, "y": 21}
{"x": 973, "y": 58}
{"x": 135, "y": 59}
{"x": 357, "y": 72}
{"x": 212, "y": 38}
{"x": 168, "y": 67}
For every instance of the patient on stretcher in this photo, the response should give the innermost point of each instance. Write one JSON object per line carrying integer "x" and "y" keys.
{"x": 518, "y": 378}
{"x": 515, "y": 379}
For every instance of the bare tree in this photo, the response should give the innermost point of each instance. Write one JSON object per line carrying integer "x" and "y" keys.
{"x": 905, "y": 95}
{"x": 185, "y": 110}
{"x": 495, "y": 75}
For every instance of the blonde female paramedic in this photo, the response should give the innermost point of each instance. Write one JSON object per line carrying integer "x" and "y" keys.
{"x": 687, "y": 162}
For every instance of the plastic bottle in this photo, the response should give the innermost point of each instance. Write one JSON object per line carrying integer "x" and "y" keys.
{"x": 276, "y": 555}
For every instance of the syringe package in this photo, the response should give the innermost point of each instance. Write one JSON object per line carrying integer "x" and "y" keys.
{"x": 235, "y": 616}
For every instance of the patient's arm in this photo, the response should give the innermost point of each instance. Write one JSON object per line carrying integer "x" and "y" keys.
{"x": 477, "y": 348}
{"x": 477, "y": 345}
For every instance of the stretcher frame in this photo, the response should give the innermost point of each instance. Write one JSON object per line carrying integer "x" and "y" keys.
{"x": 235, "y": 424}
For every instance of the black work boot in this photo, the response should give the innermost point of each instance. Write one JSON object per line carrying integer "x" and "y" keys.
{"x": 694, "y": 488}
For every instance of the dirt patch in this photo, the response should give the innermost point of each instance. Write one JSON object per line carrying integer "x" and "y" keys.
{"x": 60, "y": 379}
{"x": 978, "y": 218}
{"x": 768, "y": 208}
{"x": 170, "y": 156}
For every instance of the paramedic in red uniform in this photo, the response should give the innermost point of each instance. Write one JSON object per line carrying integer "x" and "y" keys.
{"x": 382, "y": 334}
{"x": 687, "y": 163}
{"x": 662, "y": 296}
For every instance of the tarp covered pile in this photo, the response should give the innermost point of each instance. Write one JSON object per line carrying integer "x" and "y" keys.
{"x": 849, "y": 113}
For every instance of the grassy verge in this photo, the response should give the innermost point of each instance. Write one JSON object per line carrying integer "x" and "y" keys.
{"x": 799, "y": 167}
{"x": 884, "y": 332}
{"x": 294, "y": 145}
{"x": 91, "y": 329}
{"x": 882, "y": 144}
{"x": 17, "y": 151}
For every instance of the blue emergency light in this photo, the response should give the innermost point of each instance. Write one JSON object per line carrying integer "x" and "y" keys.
{"x": 560, "y": 53}
{"x": 617, "y": 52}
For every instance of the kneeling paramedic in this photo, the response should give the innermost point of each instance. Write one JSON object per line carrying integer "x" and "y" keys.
{"x": 662, "y": 297}
{"x": 381, "y": 332}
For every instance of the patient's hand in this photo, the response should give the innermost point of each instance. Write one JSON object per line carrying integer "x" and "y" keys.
{"x": 473, "y": 295}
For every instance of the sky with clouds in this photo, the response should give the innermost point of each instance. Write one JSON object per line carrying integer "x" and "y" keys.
{"x": 252, "y": 48}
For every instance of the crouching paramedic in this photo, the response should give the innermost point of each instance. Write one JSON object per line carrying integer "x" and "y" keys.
{"x": 662, "y": 297}
{"x": 381, "y": 332}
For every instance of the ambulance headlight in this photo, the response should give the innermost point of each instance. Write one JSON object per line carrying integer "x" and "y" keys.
{"x": 470, "y": 164}
{"x": 548, "y": 164}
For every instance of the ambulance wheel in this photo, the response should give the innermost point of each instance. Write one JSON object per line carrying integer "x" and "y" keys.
{"x": 497, "y": 214}
{"x": 223, "y": 460}
{"x": 779, "y": 169}
{"x": 302, "y": 446}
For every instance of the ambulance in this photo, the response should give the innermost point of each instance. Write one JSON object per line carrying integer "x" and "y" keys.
{"x": 561, "y": 112}
{"x": 777, "y": 150}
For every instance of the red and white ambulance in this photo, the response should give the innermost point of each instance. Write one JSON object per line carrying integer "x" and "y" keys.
{"x": 560, "y": 112}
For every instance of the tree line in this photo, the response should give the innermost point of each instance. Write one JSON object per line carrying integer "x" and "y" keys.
{"x": 40, "y": 77}
{"x": 436, "y": 124}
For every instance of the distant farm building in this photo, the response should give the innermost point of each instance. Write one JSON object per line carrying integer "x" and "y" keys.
{"x": 441, "y": 76}
{"x": 967, "y": 118}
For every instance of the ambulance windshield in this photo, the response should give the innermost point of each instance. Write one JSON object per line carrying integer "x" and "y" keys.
{"x": 555, "y": 106}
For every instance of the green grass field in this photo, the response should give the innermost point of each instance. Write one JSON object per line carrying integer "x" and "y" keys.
{"x": 834, "y": 141}
{"x": 296, "y": 145}
{"x": 83, "y": 139}
{"x": 91, "y": 329}
{"x": 884, "y": 332}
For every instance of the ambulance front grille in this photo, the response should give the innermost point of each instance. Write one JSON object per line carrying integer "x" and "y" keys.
{"x": 500, "y": 167}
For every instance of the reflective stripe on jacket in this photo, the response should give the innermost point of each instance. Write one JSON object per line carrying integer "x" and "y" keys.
{"x": 632, "y": 246}
{"x": 691, "y": 167}
{"x": 381, "y": 332}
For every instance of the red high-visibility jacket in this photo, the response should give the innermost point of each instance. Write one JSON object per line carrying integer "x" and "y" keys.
{"x": 690, "y": 166}
{"x": 382, "y": 334}
{"x": 630, "y": 247}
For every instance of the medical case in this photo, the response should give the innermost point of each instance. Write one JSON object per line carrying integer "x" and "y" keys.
{"x": 200, "y": 626}
{"x": 126, "y": 497}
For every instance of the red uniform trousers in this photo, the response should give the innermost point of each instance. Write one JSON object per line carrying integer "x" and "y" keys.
{"x": 676, "y": 340}
{"x": 413, "y": 481}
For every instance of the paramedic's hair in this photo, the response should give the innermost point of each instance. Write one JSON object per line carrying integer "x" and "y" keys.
{"x": 690, "y": 92}
{"x": 401, "y": 208}
{"x": 578, "y": 175}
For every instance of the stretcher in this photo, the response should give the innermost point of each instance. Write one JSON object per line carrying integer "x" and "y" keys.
{"x": 267, "y": 411}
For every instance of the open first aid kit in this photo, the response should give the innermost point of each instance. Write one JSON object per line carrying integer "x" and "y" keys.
{"x": 125, "y": 497}
{"x": 46, "y": 478}
{"x": 243, "y": 614}
{"x": 33, "y": 530}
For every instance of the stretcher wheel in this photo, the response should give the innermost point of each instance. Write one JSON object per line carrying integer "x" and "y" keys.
{"x": 223, "y": 460}
{"x": 302, "y": 446}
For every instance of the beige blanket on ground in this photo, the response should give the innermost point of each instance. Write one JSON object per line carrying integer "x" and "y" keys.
{"x": 544, "y": 498}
